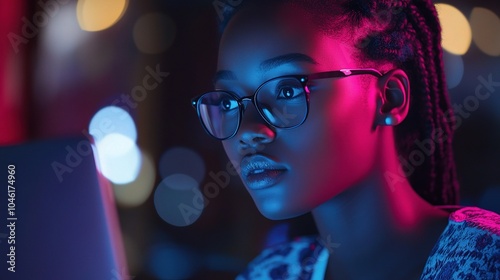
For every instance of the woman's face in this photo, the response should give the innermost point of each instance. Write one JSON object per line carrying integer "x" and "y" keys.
{"x": 289, "y": 172}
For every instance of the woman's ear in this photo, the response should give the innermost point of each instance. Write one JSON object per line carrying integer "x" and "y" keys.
{"x": 394, "y": 88}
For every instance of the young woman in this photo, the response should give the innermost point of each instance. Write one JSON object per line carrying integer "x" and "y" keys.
{"x": 340, "y": 108}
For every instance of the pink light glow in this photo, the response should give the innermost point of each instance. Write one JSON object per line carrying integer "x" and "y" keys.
{"x": 12, "y": 109}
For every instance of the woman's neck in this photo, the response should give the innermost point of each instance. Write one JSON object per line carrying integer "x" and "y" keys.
{"x": 378, "y": 228}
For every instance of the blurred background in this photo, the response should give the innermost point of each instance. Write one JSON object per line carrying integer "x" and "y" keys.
{"x": 183, "y": 213}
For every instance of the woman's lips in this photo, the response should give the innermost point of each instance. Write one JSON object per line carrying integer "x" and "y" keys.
{"x": 261, "y": 172}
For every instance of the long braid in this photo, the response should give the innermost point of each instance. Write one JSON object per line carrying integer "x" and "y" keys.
{"x": 442, "y": 158}
{"x": 449, "y": 171}
{"x": 427, "y": 69}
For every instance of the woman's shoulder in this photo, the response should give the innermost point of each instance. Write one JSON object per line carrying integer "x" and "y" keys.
{"x": 477, "y": 218}
{"x": 469, "y": 247}
{"x": 295, "y": 259}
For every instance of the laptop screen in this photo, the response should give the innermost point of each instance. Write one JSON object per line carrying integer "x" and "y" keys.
{"x": 58, "y": 218}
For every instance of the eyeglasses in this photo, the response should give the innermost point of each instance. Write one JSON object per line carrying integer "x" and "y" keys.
{"x": 282, "y": 102}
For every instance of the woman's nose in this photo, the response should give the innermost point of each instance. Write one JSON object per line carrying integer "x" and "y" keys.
{"x": 254, "y": 132}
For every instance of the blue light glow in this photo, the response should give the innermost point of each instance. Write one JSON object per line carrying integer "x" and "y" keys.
{"x": 454, "y": 69}
{"x": 112, "y": 119}
{"x": 119, "y": 158}
{"x": 178, "y": 200}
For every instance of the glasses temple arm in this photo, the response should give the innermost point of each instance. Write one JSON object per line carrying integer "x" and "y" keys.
{"x": 345, "y": 73}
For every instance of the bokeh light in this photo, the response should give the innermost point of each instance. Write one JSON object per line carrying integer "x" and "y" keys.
{"x": 178, "y": 200}
{"x": 63, "y": 34}
{"x": 59, "y": 41}
{"x": 180, "y": 160}
{"x": 137, "y": 192}
{"x": 172, "y": 261}
{"x": 119, "y": 158}
{"x": 454, "y": 69}
{"x": 456, "y": 34}
{"x": 485, "y": 26}
{"x": 96, "y": 15}
{"x": 112, "y": 119}
{"x": 115, "y": 134}
{"x": 154, "y": 33}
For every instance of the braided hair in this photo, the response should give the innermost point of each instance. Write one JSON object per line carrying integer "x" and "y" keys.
{"x": 407, "y": 34}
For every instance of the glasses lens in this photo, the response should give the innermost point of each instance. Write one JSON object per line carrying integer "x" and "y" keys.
{"x": 283, "y": 102}
{"x": 219, "y": 113}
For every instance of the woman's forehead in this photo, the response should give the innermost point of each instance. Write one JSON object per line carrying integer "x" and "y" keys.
{"x": 250, "y": 41}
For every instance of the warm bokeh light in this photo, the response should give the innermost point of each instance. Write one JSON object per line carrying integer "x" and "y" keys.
{"x": 96, "y": 15}
{"x": 457, "y": 34}
{"x": 138, "y": 191}
{"x": 486, "y": 30}
{"x": 119, "y": 158}
{"x": 154, "y": 33}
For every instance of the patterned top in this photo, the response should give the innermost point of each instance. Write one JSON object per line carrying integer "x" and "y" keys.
{"x": 469, "y": 249}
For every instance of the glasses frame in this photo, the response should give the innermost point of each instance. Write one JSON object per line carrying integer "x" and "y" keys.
{"x": 303, "y": 79}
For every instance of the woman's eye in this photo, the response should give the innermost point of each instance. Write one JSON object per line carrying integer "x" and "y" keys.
{"x": 288, "y": 92}
{"x": 228, "y": 104}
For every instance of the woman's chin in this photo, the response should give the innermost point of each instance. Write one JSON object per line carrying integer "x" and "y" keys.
{"x": 273, "y": 212}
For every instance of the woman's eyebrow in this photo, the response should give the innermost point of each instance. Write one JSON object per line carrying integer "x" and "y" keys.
{"x": 274, "y": 62}
{"x": 224, "y": 75}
